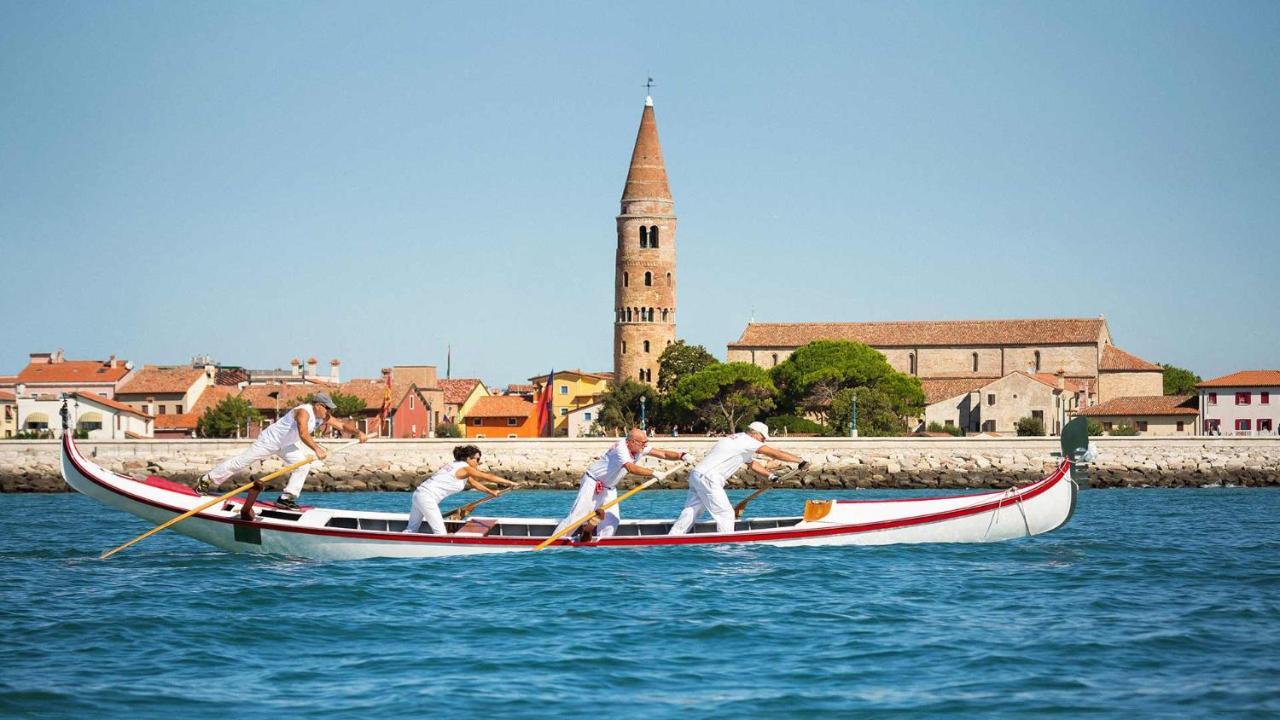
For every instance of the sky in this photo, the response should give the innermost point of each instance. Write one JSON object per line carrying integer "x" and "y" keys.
{"x": 377, "y": 182}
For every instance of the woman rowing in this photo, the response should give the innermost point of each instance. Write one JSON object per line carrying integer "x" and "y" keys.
{"x": 452, "y": 478}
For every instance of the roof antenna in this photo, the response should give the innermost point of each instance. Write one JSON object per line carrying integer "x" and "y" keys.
{"x": 753, "y": 314}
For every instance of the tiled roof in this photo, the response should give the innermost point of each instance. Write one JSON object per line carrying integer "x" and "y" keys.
{"x": 1113, "y": 358}
{"x": 939, "y": 389}
{"x": 1070, "y": 384}
{"x": 73, "y": 371}
{"x": 259, "y": 396}
{"x": 495, "y": 406}
{"x": 579, "y": 373}
{"x": 184, "y": 421}
{"x": 457, "y": 390}
{"x": 153, "y": 379}
{"x": 1245, "y": 378}
{"x": 647, "y": 176}
{"x": 517, "y": 389}
{"x": 113, "y": 404}
{"x": 927, "y": 333}
{"x": 8, "y": 396}
{"x": 1144, "y": 405}
{"x": 8, "y": 380}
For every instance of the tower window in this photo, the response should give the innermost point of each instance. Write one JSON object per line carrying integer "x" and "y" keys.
{"x": 653, "y": 236}
{"x": 644, "y": 236}
{"x": 648, "y": 279}
{"x": 626, "y": 279}
{"x": 668, "y": 279}
{"x": 628, "y": 314}
{"x": 646, "y": 346}
{"x": 664, "y": 314}
{"x": 911, "y": 359}
{"x": 624, "y": 347}
{"x": 642, "y": 376}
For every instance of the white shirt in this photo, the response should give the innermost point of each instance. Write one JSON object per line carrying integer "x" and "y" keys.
{"x": 445, "y": 481}
{"x": 728, "y": 456}
{"x": 611, "y": 467}
{"x": 284, "y": 432}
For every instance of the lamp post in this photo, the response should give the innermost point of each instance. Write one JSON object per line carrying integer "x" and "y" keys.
{"x": 643, "y": 399}
{"x": 853, "y": 416}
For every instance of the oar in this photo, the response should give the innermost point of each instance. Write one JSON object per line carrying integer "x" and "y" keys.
{"x": 737, "y": 509}
{"x": 574, "y": 525}
{"x": 460, "y": 513}
{"x": 205, "y": 506}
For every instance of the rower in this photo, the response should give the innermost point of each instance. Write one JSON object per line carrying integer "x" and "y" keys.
{"x": 452, "y": 478}
{"x": 599, "y": 483}
{"x": 706, "y": 481}
{"x": 282, "y": 438}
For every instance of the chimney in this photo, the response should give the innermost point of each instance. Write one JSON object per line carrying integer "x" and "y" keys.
{"x": 1062, "y": 379}
{"x": 334, "y": 364}
{"x": 57, "y": 356}
{"x": 111, "y": 362}
{"x": 210, "y": 371}
{"x": 311, "y": 366}
{"x": 295, "y": 366}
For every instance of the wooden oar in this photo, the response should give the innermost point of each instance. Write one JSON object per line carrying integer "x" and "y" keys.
{"x": 574, "y": 525}
{"x": 737, "y": 509}
{"x": 205, "y": 506}
{"x": 460, "y": 513}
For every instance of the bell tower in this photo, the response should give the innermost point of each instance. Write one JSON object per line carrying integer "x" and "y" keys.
{"x": 645, "y": 265}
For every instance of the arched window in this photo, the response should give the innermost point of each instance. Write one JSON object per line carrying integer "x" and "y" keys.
{"x": 624, "y": 347}
{"x": 646, "y": 346}
{"x": 653, "y": 236}
{"x": 775, "y": 358}
{"x": 650, "y": 314}
{"x": 642, "y": 376}
{"x": 628, "y": 314}
{"x": 626, "y": 279}
{"x": 975, "y": 362}
{"x": 644, "y": 236}
{"x": 668, "y": 279}
{"x": 911, "y": 359}
{"x": 1037, "y": 361}
{"x": 664, "y": 314}
{"x": 648, "y": 279}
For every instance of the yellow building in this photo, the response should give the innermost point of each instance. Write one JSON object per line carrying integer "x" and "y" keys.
{"x": 572, "y": 389}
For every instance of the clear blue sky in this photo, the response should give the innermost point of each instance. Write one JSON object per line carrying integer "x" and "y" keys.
{"x": 375, "y": 181}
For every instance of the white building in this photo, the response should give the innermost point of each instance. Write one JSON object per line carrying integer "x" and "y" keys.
{"x": 101, "y": 418}
{"x": 1241, "y": 403}
{"x": 582, "y": 419}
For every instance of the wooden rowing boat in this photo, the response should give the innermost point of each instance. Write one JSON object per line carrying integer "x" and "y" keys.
{"x": 335, "y": 534}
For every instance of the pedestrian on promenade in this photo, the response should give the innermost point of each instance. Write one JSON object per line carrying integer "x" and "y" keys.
{"x": 706, "y": 481}
{"x": 452, "y": 478}
{"x": 285, "y": 438}
{"x": 599, "y": 483}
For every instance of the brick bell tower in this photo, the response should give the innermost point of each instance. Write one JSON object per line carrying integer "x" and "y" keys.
{"x": 644, "y": 286}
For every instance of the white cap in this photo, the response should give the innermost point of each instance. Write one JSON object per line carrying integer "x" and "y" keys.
{"x": 760, "y": 428}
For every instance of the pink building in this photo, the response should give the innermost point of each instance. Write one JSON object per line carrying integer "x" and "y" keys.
{"x": 1242, "y": 403}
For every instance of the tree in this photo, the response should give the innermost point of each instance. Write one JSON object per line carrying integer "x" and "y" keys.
{"x": 347, "y": 405}
{"x": 726, "y": 396}
{"x": 815, "y": 375}
{"x": 937, "y": 427}
{"x": 448, "y": 430}
{"x": 1029, "y": 427}
{"x": 228, "y": 419}
{"x": 1094, "y": 427}
{"x": 1178, "y": 381}
{"x": 678, "y": 360}
{"x": 1123, "y": 430}
{"x": 620, "y": 405}
{"x": 878, "y": 414}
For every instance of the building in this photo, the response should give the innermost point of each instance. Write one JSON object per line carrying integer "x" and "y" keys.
{"x": 101, "y": 418}
{"x": 996, "y": 406}
{"x": 50, "y": 373}
{"x": 1080, "y": 348}
{"x": 1240, "y": 403}
{"x": 166, "y": 390}
{"x": 8, "y": 414}
{"x": 501, "y": 416}
{"x": 572, "y": 389}
{"x": 297, "y": 374}
{"x": 460, "y": 395}
{"x": 185, "y": 425}
{"x": 583, "y": 420}
{"x": 1148, "y": 414}
{"x": 645, "y": 265}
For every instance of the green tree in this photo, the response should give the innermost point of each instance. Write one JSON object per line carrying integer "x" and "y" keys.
{"x": 878, "y": 413}
{"x": 620, "y": 405}
{"x": 810, "y": 380}
{"x": 1029, "y": 427}
{"x": 1094, "y": 427}
{"x": 1123, "y": 430}
{"x": 228, "y": 419}
{"x": 678, "y": 360}
{"x": 794, "y": 425}
{"x": 726, "y": 396}
{"x": 1178, "y": 381}
{"x": 448, "y": 430}
{"x": 937, "y": 427}
{"x": 347, "y": 405}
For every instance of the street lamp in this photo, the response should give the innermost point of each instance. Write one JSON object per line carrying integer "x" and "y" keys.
{"x": 643, "y": 399}
{"x": 853, "y": 416}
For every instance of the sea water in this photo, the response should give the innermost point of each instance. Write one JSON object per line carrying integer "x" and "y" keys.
{"x": 1150, "y": 603}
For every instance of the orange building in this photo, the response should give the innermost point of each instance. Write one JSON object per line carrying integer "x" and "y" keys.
{"x": 501, "y": 416}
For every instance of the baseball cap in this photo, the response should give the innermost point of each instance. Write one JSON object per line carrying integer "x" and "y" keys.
{"x": 760, "y": 428}
{"x": 324, "y": 399}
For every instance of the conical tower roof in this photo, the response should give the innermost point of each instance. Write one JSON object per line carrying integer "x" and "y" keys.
{"x": 647, "y": 178}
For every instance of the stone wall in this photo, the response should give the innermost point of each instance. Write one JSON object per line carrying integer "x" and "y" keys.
{"x": 32, "y": 466}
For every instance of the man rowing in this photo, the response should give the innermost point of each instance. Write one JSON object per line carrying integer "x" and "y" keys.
{"x": 285, "y": 438}
{"x": 599, "y": 483}
{"x": 452, "y": 478}
{"x": 706, "y": 481}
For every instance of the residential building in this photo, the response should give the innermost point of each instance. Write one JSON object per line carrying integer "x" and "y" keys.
{"x": 460, "y": 394}
{"x": 297, "y": 374}
{"x": 582, "y": 421}
{"x": 520, "y": 390}
{"x": 644, "y": 291}
{"x": 102, "y": 418}
{"x": 996, "y": 406}
{"x": 50, "y": 373}
{"x": 161, "y": 390}
{"x": 8, "y": 414}
{"x": 500, "y": 416}
{"x": 1242, "y": 403}
{"x": 185, "y": 425}
{"x": 1148, "y": 414}
{"x": 572, "y": 389}
{"x": 1080, "y": 348}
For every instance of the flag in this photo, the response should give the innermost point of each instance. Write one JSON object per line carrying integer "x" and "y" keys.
{"x": 545, "y": 418}
{"x": 386, "y": 403}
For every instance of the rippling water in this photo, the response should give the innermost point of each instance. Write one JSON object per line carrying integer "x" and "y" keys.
{"x": 1151, "y": 603}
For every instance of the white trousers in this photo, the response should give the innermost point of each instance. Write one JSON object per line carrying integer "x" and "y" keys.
{"x": 290, "y": 454}
{"x": 425, "y": 507}
{"x": 705, "y": 494}
{"x": 587, "y": 501}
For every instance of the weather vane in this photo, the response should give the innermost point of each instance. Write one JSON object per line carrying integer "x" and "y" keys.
{"x": 647, "y": 86}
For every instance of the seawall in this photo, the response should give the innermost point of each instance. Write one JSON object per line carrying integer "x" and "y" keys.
{"x": 33, "y": 466}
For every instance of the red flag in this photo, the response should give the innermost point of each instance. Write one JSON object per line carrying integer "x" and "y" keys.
{"x": 545, "y": 417}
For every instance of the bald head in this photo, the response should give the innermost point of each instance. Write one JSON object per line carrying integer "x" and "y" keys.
{"x": 637, "y": 439}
